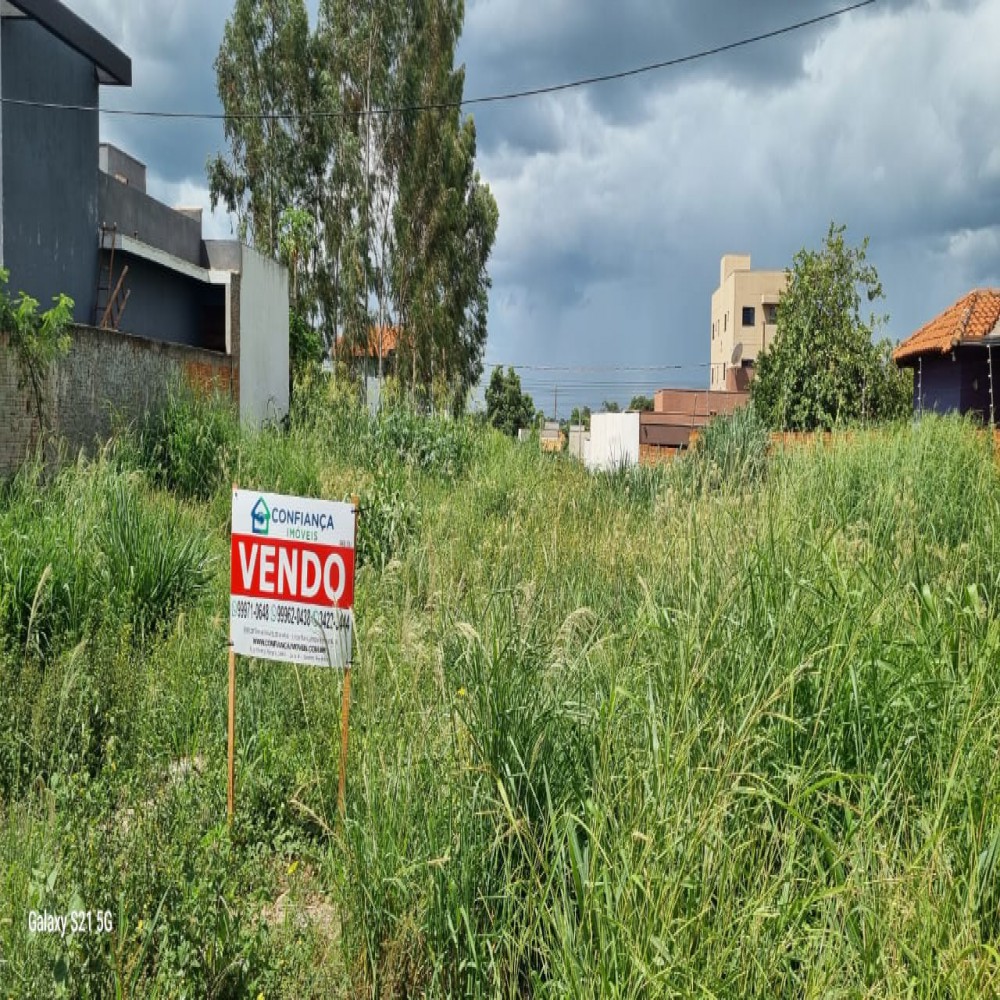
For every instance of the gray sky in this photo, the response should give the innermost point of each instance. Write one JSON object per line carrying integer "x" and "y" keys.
{"x": 616, "y": 202}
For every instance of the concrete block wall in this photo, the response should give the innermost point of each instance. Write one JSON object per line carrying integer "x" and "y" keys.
{"x": 106, "y": 376}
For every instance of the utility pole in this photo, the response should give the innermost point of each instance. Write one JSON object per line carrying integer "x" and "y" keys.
{"x": 555, "y": 404}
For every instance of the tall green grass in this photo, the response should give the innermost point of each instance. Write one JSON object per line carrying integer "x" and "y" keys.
{"x": 725, "y": 728}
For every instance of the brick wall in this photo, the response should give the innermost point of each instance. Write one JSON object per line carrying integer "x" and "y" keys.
{"x": 104, "y": 376}
{"x": 651, "y": 454}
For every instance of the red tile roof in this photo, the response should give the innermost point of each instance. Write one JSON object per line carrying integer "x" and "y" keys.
{"x": 389, "y": 336}
{"x": 972, "y": 317}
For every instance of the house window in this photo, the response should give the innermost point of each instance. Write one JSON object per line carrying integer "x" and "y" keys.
{"x": 770, "y": 314}
{"x": 749, "y": 316}
{"x": 725, "y": 322}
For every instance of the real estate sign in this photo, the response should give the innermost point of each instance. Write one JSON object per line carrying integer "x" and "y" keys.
{"x": 292, "y": 579}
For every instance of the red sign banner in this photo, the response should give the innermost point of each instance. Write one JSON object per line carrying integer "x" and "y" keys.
{"x": 279, "y": 569}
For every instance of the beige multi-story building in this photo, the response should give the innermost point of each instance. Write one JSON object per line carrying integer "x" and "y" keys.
{"x": 744, "y": 312}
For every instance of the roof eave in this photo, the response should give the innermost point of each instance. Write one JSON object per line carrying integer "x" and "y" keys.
{"x": 990, "y": 340}
{"x": 114, "y": 68}
{"x": 912, "y": 354}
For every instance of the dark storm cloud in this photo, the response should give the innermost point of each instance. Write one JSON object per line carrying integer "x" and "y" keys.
{"x": 514, "y": 44}
{"x": 173, "y": 46}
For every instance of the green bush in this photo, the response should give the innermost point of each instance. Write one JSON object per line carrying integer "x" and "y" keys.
{"x": 152, "y": 565}
{"x": 188, "y": 445}
{"x": 388, "y": 519}
{"x": 729, "y": 455}
{"x": 435, "y": 445}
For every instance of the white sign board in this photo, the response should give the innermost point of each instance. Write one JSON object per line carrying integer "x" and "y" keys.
{"x": 292, "y": 579}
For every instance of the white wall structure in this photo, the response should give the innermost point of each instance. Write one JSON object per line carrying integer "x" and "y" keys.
{"x": 614, "y": 440}
{"x": 578, "y": 435}
{"x": 263, "y": 339}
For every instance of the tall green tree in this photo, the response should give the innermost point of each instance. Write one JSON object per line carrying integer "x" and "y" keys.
{"x": 282, "y": 130}
{"x": 361, "y": 41}
{"x": 445, "y": 216}
{"x": 507, "y": 407}
{"x": 823, "y": 368}
{"x": 402, "y": 225}
{"x": 264, "y": 73}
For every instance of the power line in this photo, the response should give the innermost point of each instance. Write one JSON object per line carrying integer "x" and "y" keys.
{"x": 514, "y": 95}
{"x": 595, "y": 368}
{"x": 541, "y": 386}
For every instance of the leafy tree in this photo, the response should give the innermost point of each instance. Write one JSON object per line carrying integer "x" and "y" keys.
{"x": 382, "y": 218}
{"x": 643, "y": 403}
{"x": 507, "y": 407}
{"x": 579, "y": 416}
{"x": 360, "y": 43}
{"x": 38, "y": 340}
{"x": 305, "y": 346}
{"x": 264, "y": 68}
{"x": 296, "y": 233}
{"x": 445, "y": 217}
{"x": 610, "y": 406}
{"x": 823, "y": 368}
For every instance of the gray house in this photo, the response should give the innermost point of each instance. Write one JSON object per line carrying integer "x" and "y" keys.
{"x": 75, "y": 218}
{"x": 956, "y": 358}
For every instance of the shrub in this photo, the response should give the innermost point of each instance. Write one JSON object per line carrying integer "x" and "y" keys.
{"x": 188, "y": 445}
{"x": 387, "y": 520}
{"x": 730, "y": 454}
{"x": 435, "y": 445}
{"x": 151, "y": 565}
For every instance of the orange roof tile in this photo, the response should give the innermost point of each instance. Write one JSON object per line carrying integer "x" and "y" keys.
{"x": 389, "y": 336}
{"x": 972, "y": 317}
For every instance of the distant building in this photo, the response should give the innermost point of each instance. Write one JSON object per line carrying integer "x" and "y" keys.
{"x": 677, "y": 417}
{"x": 744, "y": 314}
{"x": 382, "y": 345}
{"x": 954, "y": 358}
{"x": 551, "y": 437}
{"x": 579, "y": 437}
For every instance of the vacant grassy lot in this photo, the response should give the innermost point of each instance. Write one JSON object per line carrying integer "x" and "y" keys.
{"x": 729, "y": 728}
